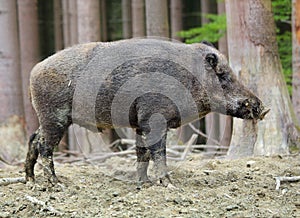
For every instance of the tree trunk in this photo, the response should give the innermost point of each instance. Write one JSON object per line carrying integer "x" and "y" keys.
{"x": 88, "y": 13}
{"x": 58, "y": 25}
{"x": 88, "y": 30}
{"x": 29, "y": 53}
{"x": 103, "y": 20}
{"x": 176, "y": 18}
{"x": 207, "y": 7}
{"x": 138, "y": 18}
{"x": 225, "y": 121}
{"x": 296, "y": 57}
{"x": 254, "y": 58}
{"x": 126, "y": 19}
{"x": 157, "y": 18}
{"x": 212, "y": 120}
{"x": 59, "y": 45}
{"x": 69, "y": 22}
{"x": 69, "y": 16}
{"x": 12, "y": 133}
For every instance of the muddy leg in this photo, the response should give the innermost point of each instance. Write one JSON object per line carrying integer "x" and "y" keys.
{"x": 158, "y": 155}
{"x": 143, "y": 157}
{"x": 48, "y": 141}
{"x": 32, "y": 156}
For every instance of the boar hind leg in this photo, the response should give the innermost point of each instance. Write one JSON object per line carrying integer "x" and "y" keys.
{"x": 49, "y": 139}
{"x": 143, "y": 157}
{"x": 32, "y": 156}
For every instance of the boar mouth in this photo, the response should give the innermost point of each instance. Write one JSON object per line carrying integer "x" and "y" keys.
{"x": 256, "y": 116}
{"x": 263, "y": 114}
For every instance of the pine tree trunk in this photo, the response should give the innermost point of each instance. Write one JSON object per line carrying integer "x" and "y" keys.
{"x": 59, "y": 45}
{"x": 12, "y": 133}
{"x": 29, "y": 53}
{"x": 176, "y": 18}
{"x": 103, "y": 20}
{"x": 58, "y": 25}
{"x": 138, "y": 18}
{"x": 254, "y": 58}
{"x": 69, "y": 16}
{"x": 212, "y": 120}
{"x": 157, "y": 18}
{"x": 69, "y": 22}
{"x": 225, "y": 121}
{"x": 207, "y": 7}
{"x": 126, "y": 19}
{"x": 296, "y": 57}
{"x": 88, "y": 13}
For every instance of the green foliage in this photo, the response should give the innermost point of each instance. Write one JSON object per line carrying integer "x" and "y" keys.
{"x": 282, "y": 10}
{"x": 282, "y": 15}
{"x": 114, "y": 20}
{"x": 211, "y": 31}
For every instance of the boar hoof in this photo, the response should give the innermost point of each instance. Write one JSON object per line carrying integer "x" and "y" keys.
{"x": 165, "y": 181}
{"x": 29, "y": 179}
{"x": 50, "y": 176}
{"x": 144, "y": 184}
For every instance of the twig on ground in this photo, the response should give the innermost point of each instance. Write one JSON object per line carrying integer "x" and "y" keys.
{"x": 74, "y": 153}
{"x": 43, "y": 204}
{"x": 7, "y": 181}
{"x": 70, "y": 159}
{"x": 214, "y": 153}
{"x": 181, "y": 147}
{"x": 123, "y": 141}
{"x": 280, "y": 179}
{"x": 173, "y": 152}
{"x": 188, "y": 146}
{"x": 108, "y": 155}
{"x": 203, "y": 134}
{"x": 4, "y": 161}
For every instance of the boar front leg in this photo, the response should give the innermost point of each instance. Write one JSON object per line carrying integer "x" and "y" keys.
{"x": 143, "y": 157}
{"x": 156, "y": 152}
{"x": 158, "y": 156}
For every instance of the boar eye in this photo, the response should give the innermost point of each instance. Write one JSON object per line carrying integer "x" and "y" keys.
{"x": 212, "y": 60}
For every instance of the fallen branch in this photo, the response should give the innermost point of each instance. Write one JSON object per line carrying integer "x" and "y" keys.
{"x": 188, "y": 146}
{"x": 108, "y": 155}
{"x": 181, "y": 147}
{"x": 172, "y": 152}
{"x": 74, "y": 153}
{"x": 7, "y": 181}
{"x": 280, "y": 179}
{"x": 123, "y": 142}
{"x": 203, "y": 134}
{"x": 43, "y": 204}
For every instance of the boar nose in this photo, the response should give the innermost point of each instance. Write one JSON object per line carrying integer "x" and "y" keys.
{"x": 255, "y": 108}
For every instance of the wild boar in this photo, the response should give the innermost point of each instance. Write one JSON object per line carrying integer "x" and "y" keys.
{"x": 150, "y": 85}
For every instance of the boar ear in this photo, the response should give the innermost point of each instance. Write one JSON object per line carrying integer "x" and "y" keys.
{"x": 207, "y": 43}
{"x": 212, "y": 59}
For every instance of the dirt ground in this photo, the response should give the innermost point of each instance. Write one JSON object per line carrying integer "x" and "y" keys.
{"x": 203, "y": 188}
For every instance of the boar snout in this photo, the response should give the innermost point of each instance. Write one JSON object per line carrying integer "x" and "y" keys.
{"x": 252, "y": 108}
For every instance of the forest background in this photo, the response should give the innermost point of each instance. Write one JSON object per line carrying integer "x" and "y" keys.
{"x": 35, "y": 29}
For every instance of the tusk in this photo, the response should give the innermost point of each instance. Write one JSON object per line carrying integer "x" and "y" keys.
{"x": 263, "y": 114}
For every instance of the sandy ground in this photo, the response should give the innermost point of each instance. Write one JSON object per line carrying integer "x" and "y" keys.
{"x": 203, "y": 188}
